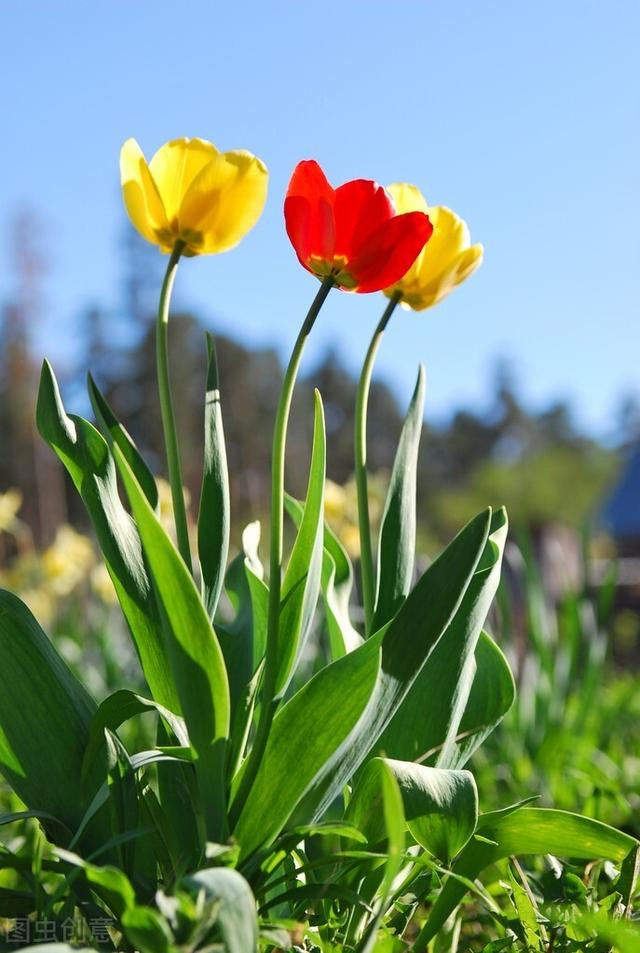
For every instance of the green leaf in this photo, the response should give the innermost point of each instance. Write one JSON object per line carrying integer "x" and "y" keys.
{"x": 394, "y": 823}
{"x": 530, "y": 830}
{"x": 440, "y": 806}
{"x": 114, "y": 887}
{"x": 428, "y": 721}
{"x": 493, "y": 692}
{"x": 301, "y": 583}
{"x": 45, "y": 718}
{"x": 327, "y": 709}
{"x": 236, "y": 914}
{"x": 114, "y": 711}
{"x": 146, "y": 930}
{"x": 407, "y": 643}
{"x": 194, "y": 652}
{"x": 214, "y": 515}
{"x": 242, "y": 640}
{"x": 85, "y": 454}
{"x": 116, "y": 433}
{"x": 336, "y": 583}
{"x": 397, "y": 541}
{"x": 627, "y": 882}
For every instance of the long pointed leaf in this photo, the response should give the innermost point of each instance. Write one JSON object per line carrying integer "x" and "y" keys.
{"x": 397, "y": 541}
{"x": 336, "y": 583}
{"x": 407, "y": 643}
{"x": 291, "y": 764}
{"x": 301, "y": 584}
{"x": 430, "y": 716}
{"x": 85, "y": 454}
{"x": 214, "y": 516}
{"x": 115, "y": 432}
{"x": 194, "y": 652}
{"x": 529, "y": 830}
{"x": 45, "y": 718}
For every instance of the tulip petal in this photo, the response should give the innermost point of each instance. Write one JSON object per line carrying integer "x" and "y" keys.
{"x": 468, "y": 261}
{"x": 361, "y": 207}
{"x": 390, "y": 251}
{"x": 426, "y": 295}
{"x": 450, "y": 237}
{"x": 407, "y": 198}
{"x": 224, "y": 202}
{"x": 174, "y": 167}
{"x": 308, "y": 213}
{"x": 141, "y": 196}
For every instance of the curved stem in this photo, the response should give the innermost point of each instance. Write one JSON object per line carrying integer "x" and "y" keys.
{"x": 269, "y": 702}
{"x": 166, "y": 407}
{"x": 362, "y": 491}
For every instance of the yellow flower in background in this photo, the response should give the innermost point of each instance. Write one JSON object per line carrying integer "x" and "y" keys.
{"x": 66, "y": 563}
{"x": 10, "y": 503}
{"x": 445, "y": 261}
{"x": 193, "y": 193}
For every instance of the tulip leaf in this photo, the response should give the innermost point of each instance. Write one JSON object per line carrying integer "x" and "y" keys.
{"x": 291, "y": 764}
{"x": 492, "y": 694}
{"x": 45, "y": 718}
{"x": 115, "y": 432}
{"x": 407, "y": 643}
{"x": 146, "y": 930}
{"x": 214, "y": 516}
{"x": 440, "y": 806}
{"x": 242, "y": 638}
{"x": 427, "y": 722}
{"x": 337, "y": 585}
{"x": 301, "y": 583}
{"x": 397, "y": 540}
{"x": 381, "y": 793}
{"x": 194, "y": 652}
{"x": 85, "y": 454}
{"x": 114, "y": 711}
{"x": 229, "y": 894}
{"x": 529, "y": 830}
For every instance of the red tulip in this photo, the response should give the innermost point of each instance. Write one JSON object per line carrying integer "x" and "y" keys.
{"x": 352, "y": 232}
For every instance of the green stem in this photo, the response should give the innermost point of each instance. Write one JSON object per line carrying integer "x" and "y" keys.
{"x": 362, "y": 491}
{"x": 166, "y": 406}
{"x": 268, "y": 701}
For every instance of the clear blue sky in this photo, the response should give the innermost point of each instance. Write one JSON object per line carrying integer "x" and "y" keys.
{"x": 521, "y": 116}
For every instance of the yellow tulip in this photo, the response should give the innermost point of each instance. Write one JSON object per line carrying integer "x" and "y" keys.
{"x": 192, "y": 193}
{"x": 444, "y": 262}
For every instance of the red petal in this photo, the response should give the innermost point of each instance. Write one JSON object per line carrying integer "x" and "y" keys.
{"x": 389, "y": 253}
{"x": 308, "y": 212}
{"x": 361, "y": 207}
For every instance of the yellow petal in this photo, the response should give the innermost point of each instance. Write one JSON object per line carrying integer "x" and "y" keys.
{"x": 450, "y": 237}
{"x": 174, "y": 167}
{"x": 468, "y": 262}
{"x": 224, "y": 202}
{"x": 407, "y": 198}
{"x": 445, "y": 261}
{"x": 140, "y": 194}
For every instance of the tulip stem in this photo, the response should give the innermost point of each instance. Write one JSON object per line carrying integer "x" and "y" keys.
{"x": 166, "y": 407}
{"x": 269, "y": 702}
{"x": 362, "y": 490}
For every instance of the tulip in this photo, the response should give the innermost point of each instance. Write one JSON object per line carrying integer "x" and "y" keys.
{"x": 446, "y": 262}
{"x": 351, "y": 233}
{"x": 192, "y": 195}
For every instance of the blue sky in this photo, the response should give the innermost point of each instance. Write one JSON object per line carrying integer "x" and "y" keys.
{"x": 522, "y": 117}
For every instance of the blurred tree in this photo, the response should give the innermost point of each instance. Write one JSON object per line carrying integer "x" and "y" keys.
{"x": 24, "y": 463}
